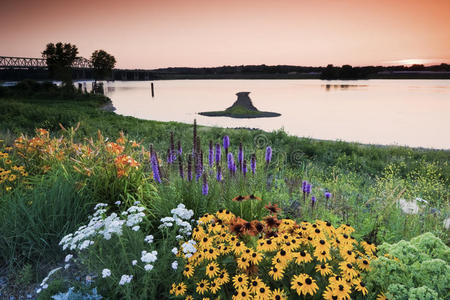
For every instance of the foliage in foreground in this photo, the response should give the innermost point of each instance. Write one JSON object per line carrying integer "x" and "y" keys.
{"x": 418, "y": 269}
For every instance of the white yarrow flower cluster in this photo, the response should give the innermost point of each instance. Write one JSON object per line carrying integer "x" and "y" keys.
{"x": 181, "y": 217}
{"x": 106, "y": 273}
{"x": 102, "y": 225}
{"x": 149, "y": 239}
{"x": 175, "y": 265}
{"x": 188, "y": 248}
{"x": 125, "y": 279}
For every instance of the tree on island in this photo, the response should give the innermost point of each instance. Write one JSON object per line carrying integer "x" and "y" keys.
{"x": 60, "y": 58}
{"x": 103, "y": 63}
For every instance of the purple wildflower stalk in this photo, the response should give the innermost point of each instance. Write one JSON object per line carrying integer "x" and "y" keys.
{"x": 205, "y": 187}
{"x": 240, "y": 156}
{"x": 226, "y": 144}
{"x": 194, "y": 138}
{"x": 308, "y": 188}
{"x": 313, "y": 201}
{"x": 253, "y": 164}
{"x": 199, "y": 167}
{"x": 189, "y": 170}
{"x": 219, "y": 174}
{"x": 211, "y": 154}
{"x": 230, "y": 161}
{"x": 172, "y": 148}
{"x": 169, "y": 156}
{"x": 268, "y": 154}
{"x": 155, "y": 167}
{"x": 244, "y": 167}
{"x": 180, "y": 150}
{"x": 218, "y": 154}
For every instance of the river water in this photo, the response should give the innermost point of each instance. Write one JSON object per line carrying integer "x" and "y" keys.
{"x": 391, "y": 112}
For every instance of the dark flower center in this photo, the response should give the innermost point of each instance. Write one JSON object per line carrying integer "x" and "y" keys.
{"x": 262, "y": 290}
{"x": 341, "y": 287}
{"x": 211, "y": 268}
{"x": 349, "y": 266}
{"x": 365, "y": 262}
{"x": 322, "y": 242}
{"x": 317, "y": 230}
{"x": 255, "y": 283}
{"x": 240, "y": 279}
{"x": 202, "y": 285}
{"x": 308, "y": 281}
{"x": 303, "y": 253}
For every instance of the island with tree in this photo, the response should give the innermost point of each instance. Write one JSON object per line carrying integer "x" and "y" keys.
{"x": 242, "y": 108}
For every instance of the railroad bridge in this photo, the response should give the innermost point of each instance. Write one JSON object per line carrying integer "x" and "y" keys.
{"x": 19, "y": 68}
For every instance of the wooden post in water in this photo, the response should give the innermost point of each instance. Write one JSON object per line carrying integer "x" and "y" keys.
{"x": 153, "y": 91}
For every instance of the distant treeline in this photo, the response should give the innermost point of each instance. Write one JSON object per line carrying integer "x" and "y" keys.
{"x": 329, "y": 72}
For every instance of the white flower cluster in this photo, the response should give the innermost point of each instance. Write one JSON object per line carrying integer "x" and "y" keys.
{"x": 125, "y": 279}
{"x": 188, "y": 248}
{"x": 104, "y": 226}
{"x": 44, "y": 284}
{"x": 148, "y": 258}
{"x": 149, "y": 239}
{"x": 181, "y": 217}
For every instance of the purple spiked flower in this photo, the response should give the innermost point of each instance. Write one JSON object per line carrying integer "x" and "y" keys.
{"x": 240, "y": 156}
{"x": 308, "y": 188}
{"x": 155, "y": 167}
{"x": 211, "y": 154}
{"x": 180, "y": 150}
{"x": 304, "y": 183}
{"x": 199, "y": 167}
{"x": 253, "y": 164}
{"x": 268, "y": 154}
{"x": 313, "y": 201}
{"x": 230, "y": 161}
{"x": 226, "y": 142}
{"x": 327, "y": 195}
{"x": 244, "y": 167}
{"x": 218, "y": 153}
{"x": 205, "y": 187}
{"x": 219, "y": 174}
{"x": 169, "y": 156}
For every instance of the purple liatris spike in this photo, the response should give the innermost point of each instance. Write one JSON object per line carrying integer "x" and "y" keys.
{"x": 240, "y": 156}
{"x": 211, "y": 154}
{"x": 268, "y": 154}
{"x": 199, "y": 168}
{"x": 313, "y": 201}
{"x": 304, "y": 183}
{"x": 327, "y": 195}
{"x": 218, "y": 153}
{"x": 155, "y": 168}
{"x": 244, "y": 167}
{"x": 230, "y": 161}
{"x": 205, "y": 187}
{"x": 180, "y": 150}
{"x": 253, "y": 164}
{"x": 189, "y": 170}
{"x": 308, "y": 188}
{"x": 226, "y": 142}
{"x": 219, "y": 174}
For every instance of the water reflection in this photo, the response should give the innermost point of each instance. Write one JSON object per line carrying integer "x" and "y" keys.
{"x": 376, "y": 111}
{"x": 342, "y": 86}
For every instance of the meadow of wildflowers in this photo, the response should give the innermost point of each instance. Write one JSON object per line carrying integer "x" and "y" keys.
{"x": 196, "y": 213}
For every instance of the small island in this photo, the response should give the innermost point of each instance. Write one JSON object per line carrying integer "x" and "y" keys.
{"x": 242, "y": 108}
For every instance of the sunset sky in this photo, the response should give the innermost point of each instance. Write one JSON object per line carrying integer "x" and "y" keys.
{"x": 169, "y": 33}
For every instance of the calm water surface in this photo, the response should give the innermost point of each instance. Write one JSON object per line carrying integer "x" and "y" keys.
{"x": 402, "y": 112}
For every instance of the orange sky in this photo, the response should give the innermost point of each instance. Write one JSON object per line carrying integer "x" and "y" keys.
{"x": 168, "y": 33}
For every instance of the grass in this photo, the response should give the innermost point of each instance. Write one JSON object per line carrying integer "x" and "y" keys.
{"x": 240, "y": 112}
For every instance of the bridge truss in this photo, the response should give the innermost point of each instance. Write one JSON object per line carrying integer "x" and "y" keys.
{"x": 10, "y": 62}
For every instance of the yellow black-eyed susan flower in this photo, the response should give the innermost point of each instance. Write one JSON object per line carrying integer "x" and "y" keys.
{"x": 212, "y": 269}
{"x": 303, "y": 284}
{"x": 361, "y": 287}
{"x": 202, "y": 287}
{"x": 278, "y": 294}
{"x": 188, "y": 271}
{"x": 303, "y": 257}
{"x": 276, "y": 272}
{"x": 240, "y": 281}
{"x": 324, "y": 269}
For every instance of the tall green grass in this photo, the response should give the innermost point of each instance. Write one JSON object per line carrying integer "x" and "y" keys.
{"x": 33, "y": 220}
